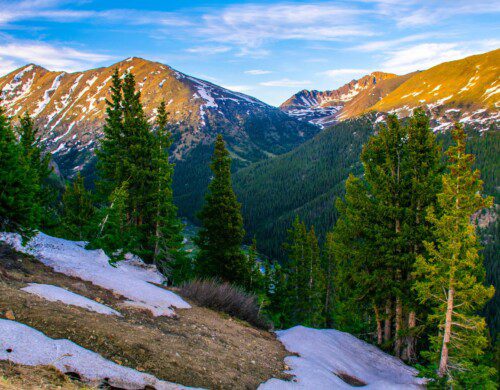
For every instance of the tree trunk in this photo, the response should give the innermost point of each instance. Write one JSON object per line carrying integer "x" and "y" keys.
{"x": 388, "y": 322}
{"x": 410, "y": 353}
{"x": 399, "y": 323}
{"x": 379, "y": 325}
{"x": 443, "y": 364}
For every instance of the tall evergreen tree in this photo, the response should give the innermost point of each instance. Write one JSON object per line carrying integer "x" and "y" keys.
{"x": 305, "y": 282}
{"x": 39, "y": 166}
{"x": 19, "y": 186}
{"x": 381, "y": 228}
{"x": 450, "y": 277}
{"x": 134, "y": 154}
{"x": 78, "y": 211}
{"x": 222, "y": 233}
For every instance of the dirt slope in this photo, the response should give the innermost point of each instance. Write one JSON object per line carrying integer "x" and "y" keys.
{"x": 198, "y": 348}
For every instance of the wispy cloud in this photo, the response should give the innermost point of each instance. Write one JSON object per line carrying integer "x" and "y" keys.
{"x": 344, "y": 72}
{"x": 251, "y": 25}
{"x": 238, "y": 88}
{"x": 208, "y": 50}
{"x": 18, "y": 53}
{"x": 426, "y": 55}
{"x": 285, "y": 82}
{"x": 257, "y": 72}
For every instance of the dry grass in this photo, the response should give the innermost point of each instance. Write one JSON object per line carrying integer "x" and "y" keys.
{"x": 226, "y": 298}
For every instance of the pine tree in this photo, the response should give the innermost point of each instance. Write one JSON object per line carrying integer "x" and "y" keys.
{"x": 381, "y": 230}
{"x": 115, "y": 235}
{"x": 328, "y": 265}
{"x": 168, "y": 240}
{"x": 305, "y": 279}
{"x": 78, "y": 211}
{"x": 19, "y": 186}
{"x": 39, "y": 166}
{"x": 110, "y": 153}
{"x": 222, "y": 233}
{"x": 450, "y": 277}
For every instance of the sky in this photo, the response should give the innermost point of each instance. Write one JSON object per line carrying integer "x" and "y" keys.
{"x": 267, "y": 49}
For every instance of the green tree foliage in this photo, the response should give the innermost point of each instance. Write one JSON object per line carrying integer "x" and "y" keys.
{"x": 131, "y": 152}
{"x": 222, "y": 233}
{"x": 381, "y": 228}
{"x": 78, "y": 211}
{"x": 451, "y": 276}
{"x": 114, "y": 234}
{"x": 300, "y": 284}
{"x": 23, "y": 171}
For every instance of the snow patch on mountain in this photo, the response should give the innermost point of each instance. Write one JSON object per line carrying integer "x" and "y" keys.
{"x": 131, "y": 278}
{"x": 59, "y": 294}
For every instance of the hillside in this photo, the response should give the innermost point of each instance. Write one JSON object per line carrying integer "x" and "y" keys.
{"x": 70, "y": 110}
{"x": 60, "y": 319}
{"x": 323, "y": 108}
{"x": 465, "y": 90}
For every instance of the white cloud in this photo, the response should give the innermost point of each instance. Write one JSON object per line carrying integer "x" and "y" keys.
{"x": 208, "y": 50}
{"x": 257, "y": 72}
{"x": 286, "y": 83}
{"x": 250, "y": 25}
{"x": 18, "y": 53}
{"x": 342, "y": 72}
{"x": 426, "y": 55}
{"x": 391, "y": 43}
{"x": 238, "y": 88}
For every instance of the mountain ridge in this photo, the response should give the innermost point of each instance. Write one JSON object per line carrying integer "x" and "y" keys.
{"x": 463, "y": 90}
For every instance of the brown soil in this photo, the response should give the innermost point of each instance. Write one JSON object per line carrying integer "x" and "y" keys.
{"x": 199, "y": 347}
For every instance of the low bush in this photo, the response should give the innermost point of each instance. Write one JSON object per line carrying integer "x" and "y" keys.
{"x": 226, "y": 298}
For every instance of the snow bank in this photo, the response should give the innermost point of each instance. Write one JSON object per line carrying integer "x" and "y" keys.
{"x": 130, "y": 278}
{"x": 58, "y": 294}
{"x": 24, "y": 345}
{"x": 323, "y": 353}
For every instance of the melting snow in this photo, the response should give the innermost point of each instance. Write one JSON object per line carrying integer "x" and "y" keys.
{"x": 55, "y": 294}
{"x": 33, "y": 348}
{"x": 323, "y": 353}
{"x": 131, "y": 278}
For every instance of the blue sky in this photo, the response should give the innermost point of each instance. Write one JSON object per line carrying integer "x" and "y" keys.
{"x": 268, "y": 49}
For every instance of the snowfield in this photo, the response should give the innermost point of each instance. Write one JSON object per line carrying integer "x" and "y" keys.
{"x": 24, "y": 345}
{"x": 131, "y": 278}
{"x": 59, "y": 294}
{"x": 324, "y": 354}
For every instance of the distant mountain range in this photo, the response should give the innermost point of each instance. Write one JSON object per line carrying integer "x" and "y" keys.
{"x": 465, "y": 90}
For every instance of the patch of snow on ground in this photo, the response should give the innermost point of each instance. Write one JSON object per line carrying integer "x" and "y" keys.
{"x": 33, "y": 348}
{"x": 323, "y": 353}
{"x": 59, "y": 294}
{"x": 131, "y": 278}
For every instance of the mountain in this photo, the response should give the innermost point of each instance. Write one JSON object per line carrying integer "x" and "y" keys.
{"x": 465, "y": 90}
{"x": 70, "y": 110}
{"x": 323, "y": 107}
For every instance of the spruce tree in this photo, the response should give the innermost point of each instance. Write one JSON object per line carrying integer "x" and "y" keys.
{"x": 304, "y": 278}
{"x": 451, "y": 276}
{"x": 222, "y": 232}
{"x": 381, "y": 229}
{"x": 39, "y": 166}
{"x": 114, "y": 234}
{"x": 19, "y": 186}
{"x": 78, "y": 211}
